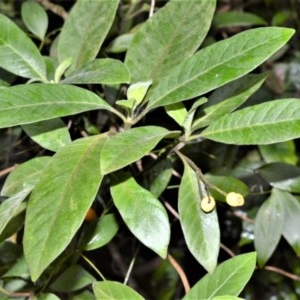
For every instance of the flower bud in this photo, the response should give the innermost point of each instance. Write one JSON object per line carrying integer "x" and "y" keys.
{"x": 235, "y": 199}
{"x": 207, "y": 204}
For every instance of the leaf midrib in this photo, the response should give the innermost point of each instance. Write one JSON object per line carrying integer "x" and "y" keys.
{"x": 40, "y": 76}
{"x": 190, "y": 79}
{"x": 255, "y": 126}
{"x": 161, "y": 57}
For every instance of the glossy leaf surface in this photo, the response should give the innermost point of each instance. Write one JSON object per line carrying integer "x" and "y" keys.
{"x": 215, "y": 65}
{"x": 268, "y": 226}
{"x": 18, "y": 54}
{"x": 172, "y": 34}
{"x": 144, "y": 215}
{"x": 266, "y": 123}
{"x": 103, "y": 231}
{"x": 201, "y": 230}
{"x": 50, "y": 134}
{"x": 59, "y": 203}
{"x": 85, "y": 30}
{"x": 111, "y": 290}
{"x": 25, "y": 104}
{"x": 105, "y": 71}
{"x": 229, "y": 278}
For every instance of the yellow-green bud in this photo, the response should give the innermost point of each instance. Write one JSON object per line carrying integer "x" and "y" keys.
{"x": 207, "y": 204}
{"x": 235, "y": 199}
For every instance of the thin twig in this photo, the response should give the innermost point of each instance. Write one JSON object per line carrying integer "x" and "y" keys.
{"x": 84, "y": 133}
{"x": 227, "y": 250}
{"x": 117, "y": 258}
{"x": 15, "y": 295}
{"x": 243, "y": 217}
{"x": 151, "y": 12}
{"x": 56, "y": 9}
{"x": 93, "y": 266}
{"x": 7, "y": 170}
{"x": 180, "y": 272}
{"x": 171, "y": 209}
{"x": 131, "y": 265}
{"x": 199, "y": 172}
{"x": 282, "y": 272}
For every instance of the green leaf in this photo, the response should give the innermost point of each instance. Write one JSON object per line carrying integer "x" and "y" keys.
{"x": 50, "y": 134}
{"x": 282, "y": 176}
{"x": 61, "y": 69}
{"x": 19, "y": 269}
{"x": 160, "y": 176}
{"x": 105, "y": 71}
{"x": 60, "y": 201}
{"x": 15, "y": 222}
{"x": 128, "y": 104}
{"x": 3, "y": 83}
{"x": 281, "y": 17}
{"x": 227, "y": 98}
{"x": 47, "y": 296}
{"x": 121, "y": 43}
{"x": 284, "y": 152}
{"x": 102, "y": 232}
{"x": 85, "y": 30}
{"x": 187, "y": 124}
{"x": 172, "y": 34}
{"x": 270, "y": 122}
{"x": 237, "y": 18}
{"x": 25, "y": 104}
{"x": 291, "y": 221}
{"x": 25, "y": 176}
{"x": 51, "y": 67}
{"x": 177, "y": 112}
{"x": 18, "y": 54}
{"x": 268, "y": 226}
{"x": 217, "y": 64}
{"x": 111, "y": 290}
{"x": 144, "y": 215}
{"x": 227, "y": 184}
{"x": 135, "y": 142}
{"x": 137, "y": 91}
{"x": 72, "y": 279}
{"x": 227, "y": 297}
{"x": 201, "y": 230}
{"x": 85, "y": 295}
{"x": 9, "y": 207}
{"x": 35, "y": 18}
{"x": 229, "y": 278}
